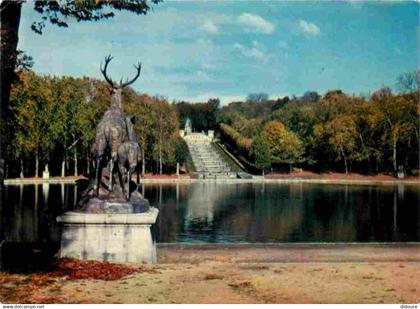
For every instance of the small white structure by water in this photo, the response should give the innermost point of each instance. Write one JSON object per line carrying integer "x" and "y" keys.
{"x": 196, "y": 137}
{"x": 46, "y": 173}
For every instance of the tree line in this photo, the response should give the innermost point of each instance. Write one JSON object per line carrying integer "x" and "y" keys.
{"x": 53, "y": 121}
{"x": 337, "y": 131}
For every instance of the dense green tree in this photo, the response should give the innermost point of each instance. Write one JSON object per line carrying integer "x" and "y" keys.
{"x": 260, "y": 150}
{"x": 310, "y": 96}
{"x": 280, "y": 103}
{"x": 181, "y": 152}
{"x": 203, "y": 116}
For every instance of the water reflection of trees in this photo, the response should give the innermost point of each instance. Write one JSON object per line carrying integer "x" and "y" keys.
{"x": 217, "y": 212}
{"x": 29, "y": 214}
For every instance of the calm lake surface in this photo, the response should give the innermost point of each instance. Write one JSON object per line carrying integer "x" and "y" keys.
{"x": 225, "y": 212}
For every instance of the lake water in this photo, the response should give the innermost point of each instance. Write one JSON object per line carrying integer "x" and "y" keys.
{"x": 220, "y": 213}
{"x": 228, "y": 212}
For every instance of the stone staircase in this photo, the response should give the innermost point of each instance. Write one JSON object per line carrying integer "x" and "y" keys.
{"x": 208, "y": 162}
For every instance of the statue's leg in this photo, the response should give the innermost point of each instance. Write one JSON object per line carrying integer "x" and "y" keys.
{"x": 111, "y": 172}
{"x": 128, "y": 183}
{"x": 97, "y": 176}
{"x": 121, "y": 173}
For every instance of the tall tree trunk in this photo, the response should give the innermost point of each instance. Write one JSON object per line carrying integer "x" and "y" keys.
{"x": 9, "y": 27}
{"x": 345, "y": 160}
{"x": 66, "y": 160}
{"x": 177, "y": 168}
{"x": 345, "y": 164}
{"x": 36, "y": 164}
{"x": 63, "y": 168}
{"x": 160, "y": 161}
{"x": 394, "y": 155}
{"x": 75, "y": 162}
{"x": 21, "y": 168}
{"x": 143, "y": 162}
{"x": 87, "y": 162}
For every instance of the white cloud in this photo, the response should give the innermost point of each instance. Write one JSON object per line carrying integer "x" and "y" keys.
{"x": 253, "y": 52}
{"x": 209, "y": 27}
{"x": 309, "y": 28}
{"x": 255, "y": 23}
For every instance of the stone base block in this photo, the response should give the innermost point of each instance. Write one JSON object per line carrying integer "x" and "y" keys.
{"x": 117, "y": 238}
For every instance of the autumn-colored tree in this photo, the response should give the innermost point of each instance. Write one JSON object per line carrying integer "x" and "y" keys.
{"x": 240, "y": 141}
{"x": 285, "y": 146}
{"x": 273, "y": 134}
{"x": 396, "y": 117}
{"x": 57, "y": 13}
{"x": 248, "y": 127}
{"x": 342, "y": 136}
{"x": 35, "y": 116}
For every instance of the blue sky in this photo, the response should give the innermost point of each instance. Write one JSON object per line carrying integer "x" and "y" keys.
{"x": 195, "y": 50}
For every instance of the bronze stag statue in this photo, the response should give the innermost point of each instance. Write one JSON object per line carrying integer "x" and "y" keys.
{"x": 111, "y": 130}
{"x": 117, "y": 143}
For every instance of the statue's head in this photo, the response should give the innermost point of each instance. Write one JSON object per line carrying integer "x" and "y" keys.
{"x": 131, "y": 120}
{"x": 116, "y": 88}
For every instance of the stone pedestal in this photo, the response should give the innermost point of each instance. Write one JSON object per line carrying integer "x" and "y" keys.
{"x": 117, "y": 238}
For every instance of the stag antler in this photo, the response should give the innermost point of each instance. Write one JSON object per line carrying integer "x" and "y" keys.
{"x": 138, "y": 68}
{"x": 103, "y": 70}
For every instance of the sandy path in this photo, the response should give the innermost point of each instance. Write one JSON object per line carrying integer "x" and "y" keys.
{"x": 258, "y": 274}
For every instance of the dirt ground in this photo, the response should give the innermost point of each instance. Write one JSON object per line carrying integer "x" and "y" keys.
{"x": 247, "y": 274}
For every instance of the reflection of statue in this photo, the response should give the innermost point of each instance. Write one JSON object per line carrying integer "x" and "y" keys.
{"x": 115, "y": 141}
